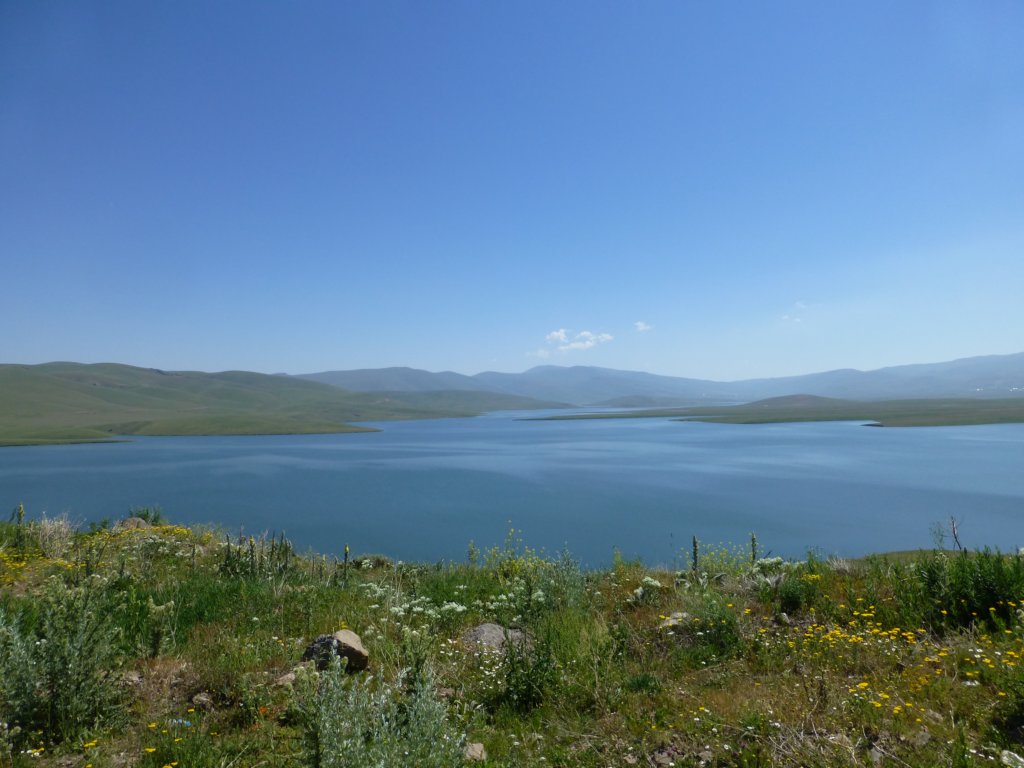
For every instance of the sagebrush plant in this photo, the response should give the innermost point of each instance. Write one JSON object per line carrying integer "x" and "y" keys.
{"x": 58, "y": 670}
{"x": 365, "y": 722}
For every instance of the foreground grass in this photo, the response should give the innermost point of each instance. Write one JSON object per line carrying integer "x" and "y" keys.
{"x": 165, "y": 646}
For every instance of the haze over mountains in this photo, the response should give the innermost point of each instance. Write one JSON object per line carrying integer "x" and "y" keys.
{"x": 57, "y": 402}
{"x": 991, "y": 376}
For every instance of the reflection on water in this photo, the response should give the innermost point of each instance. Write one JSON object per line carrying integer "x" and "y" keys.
{"x": 423, "y": 490}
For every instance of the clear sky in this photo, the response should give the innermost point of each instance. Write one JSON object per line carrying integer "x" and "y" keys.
{"x": 709, "y": 189}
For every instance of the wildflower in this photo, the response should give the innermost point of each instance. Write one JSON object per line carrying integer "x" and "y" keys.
{"x": 150, "y": 750}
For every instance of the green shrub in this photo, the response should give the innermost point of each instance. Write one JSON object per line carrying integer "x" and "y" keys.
{"x": 366, "y": 723}
{"x": 979, "y": 588}
{"x": 58, "y": 674}
{"x": 714, "y": 633}
{"x": 528, "y": 672}
{"x": 152, "y": 515}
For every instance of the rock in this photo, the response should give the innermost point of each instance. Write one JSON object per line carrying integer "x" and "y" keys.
{"x": 921, "y": 738}
{"x": 344, "y": 643}
{"x": 876, "y": 756}
{"x": 492, "y": 636}
{"x": 783, "y": 619}
{"x": 288, "y": 678}
{"x": 1012, "y": 759}
{"x": 475, "y": 752}
{"x": 131, "y": 523}
{"x": 446, "y": 693}
{"x": 843, "y": 741}
{"x": 202, "y": 700}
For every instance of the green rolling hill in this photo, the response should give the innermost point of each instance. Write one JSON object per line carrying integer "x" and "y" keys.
{"x": 73, "y": 402}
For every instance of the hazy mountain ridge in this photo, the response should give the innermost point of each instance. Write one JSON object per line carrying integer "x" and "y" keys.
{"x": 991, "y": 376}
{"x": 396, "y": 379}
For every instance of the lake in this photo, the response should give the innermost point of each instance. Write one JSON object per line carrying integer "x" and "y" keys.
{"x": 421, "y": 490}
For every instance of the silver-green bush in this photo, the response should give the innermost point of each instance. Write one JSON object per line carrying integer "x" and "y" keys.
{"x": 368, "y": 723}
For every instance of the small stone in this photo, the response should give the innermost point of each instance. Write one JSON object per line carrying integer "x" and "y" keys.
{"x": 475, "y": 751}
{"x": 344, "y": 643}
{"x": 492, "y": 636}
{"x": 1012, "y": 759}
{"x": 921, "y": 738}
{"x": 131, "y": 678}
{"x": 783, "y": 619}
{"x": 288, "y": 678}
{"x": 131, "y": 524}
{"x": 202, "y": 700}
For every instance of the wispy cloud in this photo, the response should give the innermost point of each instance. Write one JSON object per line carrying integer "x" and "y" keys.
{"x": 641, "y": 326}
{"x": 795, "y": 313}
{"x": 562, "y": 340}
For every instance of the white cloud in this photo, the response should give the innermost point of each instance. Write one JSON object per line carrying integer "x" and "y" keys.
{"x": 563, "y": 341}
{"x": 641, "y": 326}
{"x": 796, "y": 312}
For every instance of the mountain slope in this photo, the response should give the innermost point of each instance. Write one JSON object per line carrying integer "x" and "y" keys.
{"x": 395, "y": 380}
{"x": 58, "y": 402}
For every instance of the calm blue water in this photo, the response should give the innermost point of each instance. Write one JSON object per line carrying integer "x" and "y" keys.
{"x": 422, "y": 490}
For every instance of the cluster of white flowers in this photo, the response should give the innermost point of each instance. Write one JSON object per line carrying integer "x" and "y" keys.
{"x": 413, "y": 612}
{"x": 508, "y": 606}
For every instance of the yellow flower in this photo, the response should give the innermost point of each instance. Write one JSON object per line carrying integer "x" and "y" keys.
{"x": 150, "y": 750}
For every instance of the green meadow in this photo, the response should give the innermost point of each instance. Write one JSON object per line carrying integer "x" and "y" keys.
{"x": 71, "y": 402}
{"x": 889, "y": 413}
{"x": 156, "y": 645}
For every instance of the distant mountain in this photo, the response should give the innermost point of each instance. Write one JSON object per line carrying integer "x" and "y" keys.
{"x": 993, "y": 376}
{"x": 396, "y": 380}
{"x": 584, "y": 385}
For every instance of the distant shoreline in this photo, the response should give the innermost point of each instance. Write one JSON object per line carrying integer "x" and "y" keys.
{"x": 806, "y": 408}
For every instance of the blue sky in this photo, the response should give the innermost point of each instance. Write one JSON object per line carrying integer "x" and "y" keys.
{"x": 721, "y": 190}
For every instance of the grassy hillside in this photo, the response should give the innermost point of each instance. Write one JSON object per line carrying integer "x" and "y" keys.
{"x": 162, "y": 646}
{"x": 68, "y": 402}
{"x": 795, "y": 408}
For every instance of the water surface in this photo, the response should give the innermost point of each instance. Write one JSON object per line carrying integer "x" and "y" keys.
{"x": 421, "y": 490}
